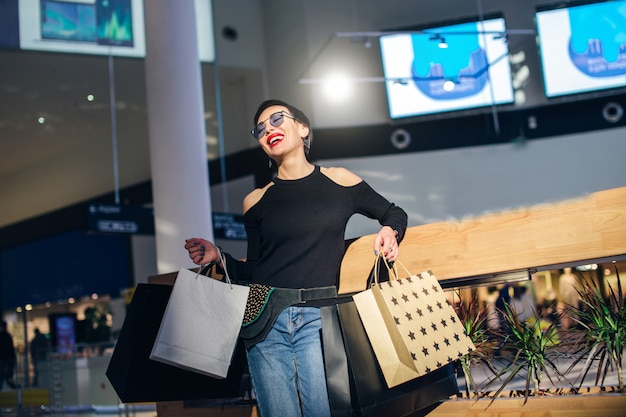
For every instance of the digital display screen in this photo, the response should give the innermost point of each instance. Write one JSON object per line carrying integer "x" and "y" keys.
{"x": 63, "y": 332}
{"x": 582, "y": 48}
{"x": 68, "y": 21}
{"x": 99, "y": 27}
{"x": 447, "y": 68}
{"x": 114, "y": 22}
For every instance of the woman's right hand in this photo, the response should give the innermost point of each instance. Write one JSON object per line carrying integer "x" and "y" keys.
{"x": 201, "y": 251}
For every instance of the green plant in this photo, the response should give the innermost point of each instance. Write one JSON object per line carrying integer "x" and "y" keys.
{"x": 474, "y": 320}
{"x": 533, "y": 345}
{"x": 603, "y": 320}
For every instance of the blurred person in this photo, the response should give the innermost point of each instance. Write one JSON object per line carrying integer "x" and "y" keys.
{"x": 549, "y": 305}
{"x": 522, "y": 302}
{"x": 493, "y": 318}
{"x": 39, "y": 348}
{"x": 504, "y": 298}
{"x": 568, "y": 298}
{"x": 8, "y": 357}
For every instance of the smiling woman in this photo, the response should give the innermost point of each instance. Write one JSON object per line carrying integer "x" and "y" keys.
{"x": 277, "y": 119}
{"x": 296, "y": 227}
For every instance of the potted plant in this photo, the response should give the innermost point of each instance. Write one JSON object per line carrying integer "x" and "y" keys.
{"x": 531, "y": 350}
{"x": 474, "y": 319}
{"x": 603, "y": 322}
{"x": 532, "y": 345}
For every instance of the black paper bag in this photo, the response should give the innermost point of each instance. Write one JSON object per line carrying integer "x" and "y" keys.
{"x": 355, "y": 382}
{"x": 137, "y": 378}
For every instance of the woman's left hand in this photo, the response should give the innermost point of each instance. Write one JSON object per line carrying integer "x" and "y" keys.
{"x": 387, "y": 243}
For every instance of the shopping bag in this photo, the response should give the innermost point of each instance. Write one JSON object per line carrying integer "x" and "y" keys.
{"x": 136, "y": 378}
{"x": 201, "y": 324}
{"x": 411, "y": 325}
{"x": 356, "y": 385}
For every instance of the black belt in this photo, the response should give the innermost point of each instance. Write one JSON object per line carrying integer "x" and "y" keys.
{"x": 275, "y": 301}
{"x": 311, "y": 294}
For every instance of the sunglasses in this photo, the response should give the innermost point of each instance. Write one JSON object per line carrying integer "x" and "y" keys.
{"x": 275, "y": 120}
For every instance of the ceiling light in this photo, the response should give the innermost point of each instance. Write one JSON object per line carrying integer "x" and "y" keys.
{"x": 337, "y": 87}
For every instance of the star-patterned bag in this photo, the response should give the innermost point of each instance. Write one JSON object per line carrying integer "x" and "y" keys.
{"x": 411, "y": 325}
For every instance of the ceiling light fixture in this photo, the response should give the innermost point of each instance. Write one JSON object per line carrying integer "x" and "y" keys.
{"x": 337, "y": 87}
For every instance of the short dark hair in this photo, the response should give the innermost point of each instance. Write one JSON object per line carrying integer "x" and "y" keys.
{"x": 297, "y": 113}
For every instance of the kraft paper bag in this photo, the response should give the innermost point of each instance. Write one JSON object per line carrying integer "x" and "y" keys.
{"x": 392, "y": 354}
{"x": 411, "y": 326}
{"x": 201, "y": 324}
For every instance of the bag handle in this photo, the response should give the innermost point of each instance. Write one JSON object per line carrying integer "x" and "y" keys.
{"x": 224, "y": 267}
{"x": 390, "y": 267}
{"x": 395, "y": 268}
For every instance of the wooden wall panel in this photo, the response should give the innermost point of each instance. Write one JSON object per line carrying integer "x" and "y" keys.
{"x": 588, "y": 228}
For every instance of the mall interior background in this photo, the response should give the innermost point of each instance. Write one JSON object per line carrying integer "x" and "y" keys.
{"x": 534, "y": 150}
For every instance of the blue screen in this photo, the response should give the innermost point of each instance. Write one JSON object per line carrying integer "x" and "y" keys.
{"x": 583, "y": 48}
{"x": 448, "y": 68}
{"x": 68, "y": 21}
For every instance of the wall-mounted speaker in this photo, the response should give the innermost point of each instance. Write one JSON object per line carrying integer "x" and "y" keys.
{"x": 400, "y": 139}
{"x": 612, "y": 112}
{"x": 574, "y": 117}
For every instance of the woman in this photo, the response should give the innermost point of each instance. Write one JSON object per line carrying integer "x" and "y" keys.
{"x": 295, "y": 227}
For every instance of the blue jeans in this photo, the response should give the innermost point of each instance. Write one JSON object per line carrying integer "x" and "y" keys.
{"x": 287, "y": 368}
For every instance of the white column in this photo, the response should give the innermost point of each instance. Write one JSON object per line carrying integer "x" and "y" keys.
{"x": 178, "y": 155}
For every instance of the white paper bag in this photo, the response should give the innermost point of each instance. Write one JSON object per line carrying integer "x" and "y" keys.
{"x": 201, "y": 324}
